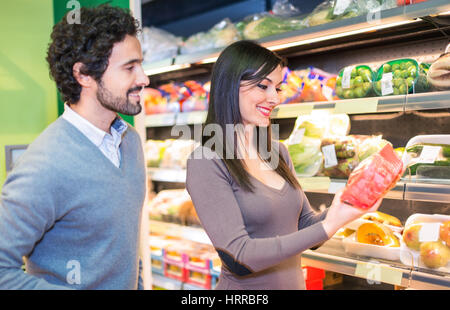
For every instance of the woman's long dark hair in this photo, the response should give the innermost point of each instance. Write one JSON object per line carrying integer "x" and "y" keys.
{"x": 249, "y": 62}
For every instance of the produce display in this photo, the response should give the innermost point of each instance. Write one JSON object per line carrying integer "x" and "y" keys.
{"x": 377, "y": 234}
{"x": 311, "y": 84}
{"x": 354, "y": 82}
{"x": 220, "y": 35}
{"x": 425, "y": 241}
{"x": 333, "y": 10}
{"x": 173, "y": 206}
{"x": 428, "y": 157}
{"x": 373, "y": 178}
{"x": 158, "y": 44}
{"x": 169, "y": 153}
{"x": 265, "y": 24}
{"x": 176, "y": 97}
{"x": 397, "y": 77}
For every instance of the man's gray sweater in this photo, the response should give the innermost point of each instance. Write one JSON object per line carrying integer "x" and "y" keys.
{"x": 71, "y": 214}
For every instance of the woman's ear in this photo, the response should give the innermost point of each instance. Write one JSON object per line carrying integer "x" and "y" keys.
{"x": 83, "y": 79}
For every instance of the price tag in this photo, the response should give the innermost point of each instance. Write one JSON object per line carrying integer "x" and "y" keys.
{"x": 386, "y": 84}
{"x": 429, "y": 232}
{"x": 329, "y": 154}
{"x": 340, "y": 6}
{"x": 297, "y": 136}
{"x": 346, "y": 76}
{"x": 429, "y": 154}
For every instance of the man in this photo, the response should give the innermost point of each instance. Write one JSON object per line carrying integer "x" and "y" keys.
{"x": 71, "y": 207}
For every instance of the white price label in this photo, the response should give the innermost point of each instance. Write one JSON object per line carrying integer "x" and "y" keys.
{"x": 329, "y": 155}
{"x": 429, "y": 232}
{"x": 346, "y": 76}
{"x": 297, "y": 136}
{"x": 341, "y": 6}
{"x": 386, "y": 84}
{"x": 429, "y": 154}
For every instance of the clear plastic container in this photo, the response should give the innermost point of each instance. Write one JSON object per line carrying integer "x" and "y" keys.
{"x": 421, "y": 234}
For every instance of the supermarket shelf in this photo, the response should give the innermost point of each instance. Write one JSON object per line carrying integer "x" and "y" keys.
{"x": 423, "y": 101}
{"x": 174, "y": 230}
{"x": 166, "y": 283}
{"x": 404, "y": 190}
{"x": 171, "y": 119}
{"x": 345, "y": 30}
{"x": 331, "y": 256}
{"x": 167, "y": 175}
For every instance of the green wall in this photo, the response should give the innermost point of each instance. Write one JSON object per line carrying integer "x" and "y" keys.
{"x": 27, "y": 95}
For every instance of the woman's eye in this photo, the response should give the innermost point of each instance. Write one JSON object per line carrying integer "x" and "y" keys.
{"x": 129, "y": 68}
{"x": 264, "y": 87}
{"x": 278, "y": 90}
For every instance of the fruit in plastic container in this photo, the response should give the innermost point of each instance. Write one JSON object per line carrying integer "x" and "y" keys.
{"x": 434, "y": 254}
{"x": 373, "y": 178}
{"x": 376, "y": 234}
{"x": 382, "y": 218}
{"x": 444, "y": 233}
{"x": 411, "y": 236}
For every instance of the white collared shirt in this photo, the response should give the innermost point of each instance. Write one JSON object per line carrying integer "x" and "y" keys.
{"x": 109, "y": 144}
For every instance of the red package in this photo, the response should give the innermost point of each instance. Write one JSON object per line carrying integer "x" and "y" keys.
{"x": 373, "y": 178}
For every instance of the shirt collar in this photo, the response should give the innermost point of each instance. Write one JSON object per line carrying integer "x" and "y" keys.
{"x": 96, "y": 135}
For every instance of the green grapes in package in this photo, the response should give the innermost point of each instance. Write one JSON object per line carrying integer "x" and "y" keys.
{"x": 397, "y": 77}
{"x": 354, "y": 82}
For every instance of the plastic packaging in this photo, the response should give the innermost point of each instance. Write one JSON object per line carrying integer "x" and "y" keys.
{"x": 158, "y": 44}
{"x": 428, "y": 157}
{"x": 222, "y": 34}
{"x": 397, "y": 77}
{"x": 332, "y": 10}
{"x": 352, "y": 246}
{"x": 306, "y": 156}
{"x": 373, "y": 178}
{"x": 154, "y": 151}
{"x": 285, "y": 8}
{"x": 423, "y": 243}
{"x": 354, "y": 82}
{"x": 265, "y": 24}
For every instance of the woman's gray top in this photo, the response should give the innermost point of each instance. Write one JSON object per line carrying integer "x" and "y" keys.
{"x": 259, "y": 236}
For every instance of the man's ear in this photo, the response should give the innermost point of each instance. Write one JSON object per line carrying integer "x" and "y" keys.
{"x": 83, "y": 79}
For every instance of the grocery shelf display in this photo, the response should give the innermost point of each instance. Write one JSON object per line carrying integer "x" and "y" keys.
{"x": 372, "y": 71}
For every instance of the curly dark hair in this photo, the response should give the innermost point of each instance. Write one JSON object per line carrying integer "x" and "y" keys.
{"x": 89, "y": 42}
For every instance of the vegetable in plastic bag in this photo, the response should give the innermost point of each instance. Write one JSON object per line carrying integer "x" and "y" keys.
{"x": 158, "y": 44}
{"x": 306, "y": 156}
{"x": 265, "y": 24}
{"x": 222, "y": 34}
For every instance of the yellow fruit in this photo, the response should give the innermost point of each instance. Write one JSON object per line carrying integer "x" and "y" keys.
{"x": 411, "y": 236}
{"x": 376, "y": 234}
{"x": 382, "y": 218}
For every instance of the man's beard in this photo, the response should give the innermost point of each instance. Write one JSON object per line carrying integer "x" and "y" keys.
{"x": 117, "y": 104}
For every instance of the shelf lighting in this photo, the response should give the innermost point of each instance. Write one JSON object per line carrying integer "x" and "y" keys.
{"x": 166, "y": 69}
{"x": 340, "y": 35}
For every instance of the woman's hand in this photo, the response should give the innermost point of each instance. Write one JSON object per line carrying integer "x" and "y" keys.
{"x": 340, "y": 214}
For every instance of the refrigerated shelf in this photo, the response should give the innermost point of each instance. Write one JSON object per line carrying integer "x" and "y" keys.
{"x": 332, "y": 256}
{"x": 345, "y": 29}
{"x": 400, "y": 103}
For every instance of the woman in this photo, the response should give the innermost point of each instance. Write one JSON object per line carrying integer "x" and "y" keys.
{"x": 252, "y": 207}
